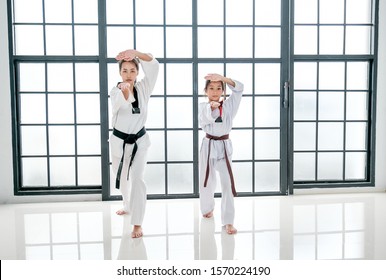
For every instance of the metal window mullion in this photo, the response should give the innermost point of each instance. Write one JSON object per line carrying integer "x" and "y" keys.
{"x": 165, "y": 107}
{"x": 344, "y": 121}
{"x": 317, "y": 121}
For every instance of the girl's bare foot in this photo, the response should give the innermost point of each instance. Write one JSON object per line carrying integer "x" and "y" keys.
{"x": 208, "y": 215}
{"x": 121, "y": 212}
{"x": 137, "y": 232}
{"x": 230, "y": 229}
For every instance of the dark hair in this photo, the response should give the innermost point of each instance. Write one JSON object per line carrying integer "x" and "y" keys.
{"x": 134, "y": 61}
{"x": 209, "y": 81}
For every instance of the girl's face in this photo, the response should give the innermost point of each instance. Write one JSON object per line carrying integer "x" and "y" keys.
{"x": 214, "y": 91}
{"x": 128, "y": 72}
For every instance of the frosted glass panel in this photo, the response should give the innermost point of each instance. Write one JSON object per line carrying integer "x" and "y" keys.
{"x": 244, "y": 114}
{"x": 356, "y": 134}
{"x": 331, "y": 11}
{"x": 306, "y": 11}
{"x": 267, "y": 176}
{"x": 210, "y": 41}
{"x": 331, "y": 75}
{"x": 356, "y": 166}
{"x": 242, "y": 144}
{"x": 330, "y": 166}
{"x": 62, "y": 171}
{"x": 34, "y": 172}
{"x": 205, "y": 14}
{"x": 178, "y": 12}
{"x": 267, "y": 112}
{"x": 179, "y": 112}
{"x": 236, "y": 8}
{"x": 37, "y": 229}
{"x": 62, "y": 140}
{"x": 304, "y": 166}
{"x": 155, "y": 178}
{"x": 149, "y": 12}
{"x": 330, "y": 136}
{"x": 87, "y": 77}
{"x": 179, "y": 80}
{"x": 60, "y": 77}
{"x": 357, "y": 75}
{"x": 267, "y": 12}
{"x": 181, "y": 35}
{"x": 32, "y": 108}
{"x": 305, "y": 105}
{"x": 267, "y": 78}
{"x": 58, "y": 11}
{"x": 86, "y": 11}
{"x": 30, "y": 11}
{"x": 305, "y": 75}
{"x": 155, "y": 118}
{"x": 116, "y": 42}
{"x": 89, "y": 171}
{"x": 331, "y": 39}
{"x": 358, "y": 11}
{"x": 356, "y": 105}
{"x": 32, "y": 77}
{"x": 267, "y": 42}
{"x": 304, "y": 218}
{"x": 306, "y": 40}
{"x": 304, "y": 136}
{"x": 239, "y": 42}
{"x": 87, "y": 108}
{"x": 88, "y": 139}
{"x": 180, "y": 145}
{"x": 331, "y": 106}
{"x": 59, "y": 40}
{"x": 113, "y": 17}
{"x": 86, "y": 40}
{"x": 180, "y": 178}
{"x": 157, "y": 147}
{"x": 60, "y": 108}
{"x": 358, "y": 40}
{"x": 241, "y": 72}
{"x": 29, "y": 40}
{"x": 242, "y": 172}
{"x": 151, "y": 39}
{"x": 33, "y": 140}
{"x": 267, "y": 144}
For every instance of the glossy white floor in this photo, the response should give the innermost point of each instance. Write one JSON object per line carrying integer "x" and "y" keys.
{"x": 300, "y": 227}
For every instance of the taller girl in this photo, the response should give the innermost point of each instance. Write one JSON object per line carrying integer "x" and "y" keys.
{"x": 216, "y": 118}
{"x": 129, "y": 141}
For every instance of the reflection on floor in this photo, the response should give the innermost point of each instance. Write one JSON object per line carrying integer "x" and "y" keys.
{"x": 302, "y": 227}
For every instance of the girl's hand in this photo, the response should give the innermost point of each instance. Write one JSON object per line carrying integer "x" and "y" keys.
{"x": 214, "y": 77}
{"x": 124, "y": 86}
{"x": 127, "y": 55}
{"x": 214, "y": 105}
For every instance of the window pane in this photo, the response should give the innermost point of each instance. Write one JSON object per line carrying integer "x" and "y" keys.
{"x": 267, "y": 12}
{"x": 239, "y": 42}
{"x": 267, "y": 112}
{"x": 33, "y": 140}
{"x": 358, "y": 40}
{"x": 112, "y": 17}
{"x": 87, "y": 77}
{"x": 242, "y": 144}
{"x": 149, "y": 12}
{"x": 267, "y": 144}
{"x": 60, "y": 77}
{"x": 61, "y": 140}
{"x": 157, "y": 147}
{"x": 210, "y": 42}
{"x": 155, "y": 118}
{"x": 30, "y": 11}
{"x": 357, "y": 75}
{"x": 267, "y": 78}
{"x": 29, "y": 40}
{"x": 330, "y": 136}
{"x": 62, "y": 171}
{"x": 179, "y": 79}
{"x": 306, "y": 11}
{"x": 331, "y": 75}
{"x": 331, "y": 11}
{"x": 235, "y": 8}
{"x": 59, "y": 40}
{"x": 89, "y": 140}
{"x": 179, "y": 42}
{"x": 356, "y": 166}
{"x": 305, "y": 75}
{"x": 89, "y": 171}
{"x": 32, "y": 108}
{"x": 150, "y": 39}
{"x": 242, "y": 72}
{"x": 305, "y": 105}
{"x": 34, "y": 172}
{"x": 306, "y": 40}
{"x": 86, "y": 11}
{"x": 331, "y": 40}
{"x": 155, "y": 178}
{"x": 358, "y": 11}
{"x": 86, "y": 40}
{"x": 178, "y": 11}
{"x": 179, "y": 112}
{"x": 304, "y": 166}
{"x": 206, "y": 14}
{"x": 58, "y": 11}
{"x": 242, "y": 172}
{"x": 244, "y": 114}
{"x": 304, "y": 136}
{"x": 267, "y": 42}
{"x": 330, "y": 166}
{"x": 356, "y": 106}
{"x": 331, "y": 105}
{"x": 180, "y": 178}
{"x": 87, "y": 108}
{"x": 60, "y": 108}
{"x": 267, "y": 176}
{"x": 356, "y": 134}
{"x": 180, "y": 145}
{"x": 116, "y": 42}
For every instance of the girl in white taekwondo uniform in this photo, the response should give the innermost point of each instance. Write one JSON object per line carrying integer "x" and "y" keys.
{"x": 216, "y": 119}
{"x": 129, "y": 141}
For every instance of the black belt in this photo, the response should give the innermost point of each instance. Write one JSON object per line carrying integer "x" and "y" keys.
{"x": 127, "y": 139}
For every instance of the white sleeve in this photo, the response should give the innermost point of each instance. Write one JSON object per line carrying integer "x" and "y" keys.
{"x": 235, "y": 98}
{"x": 150, "y": 69}
{"x": 117, "y": 99}
{"x": 205, "y": 114}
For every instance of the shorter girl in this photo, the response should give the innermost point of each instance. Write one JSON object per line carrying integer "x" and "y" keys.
{"x": 216, "y": 117}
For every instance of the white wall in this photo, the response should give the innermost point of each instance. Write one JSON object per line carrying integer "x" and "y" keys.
{"x": 6, "y": 166}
